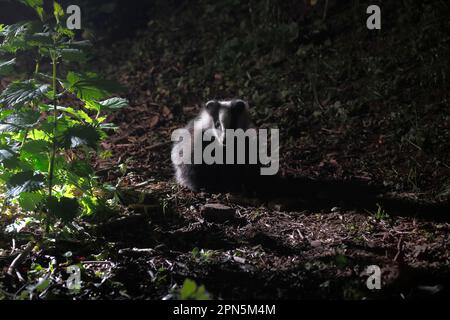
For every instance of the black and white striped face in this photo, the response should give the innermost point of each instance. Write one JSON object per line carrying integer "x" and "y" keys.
{"x": 229, "y": 114}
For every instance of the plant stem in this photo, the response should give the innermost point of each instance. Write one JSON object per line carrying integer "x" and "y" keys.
{"x": 36, "y": 68}
{"x": 51, "y": 168}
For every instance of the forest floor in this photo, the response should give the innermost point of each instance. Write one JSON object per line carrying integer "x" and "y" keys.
{"x": 350, "y": 103}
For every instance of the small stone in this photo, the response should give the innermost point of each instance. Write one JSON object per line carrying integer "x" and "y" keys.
{"x": 238, "y": 259}
{"x": 316, "y": 243}
{"x": 216, "y": 212}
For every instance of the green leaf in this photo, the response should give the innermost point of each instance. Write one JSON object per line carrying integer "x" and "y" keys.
{"x": 29, "y": 201}
{"x": 65, "y": 31}
{"x": 37, "y": 161}
{"x": 81, "y": 135}
{"x": 64, "y": 208}
{"x": 71, "y": 54}
{"x": 19, "y": 93}
{"x": 36, "y": 146}
{"x": 188, "y": 289}
{"x": 33, "y": 3}
{"x": 113, "y": 103}
{"x": 90, "y": 86}
{"x": 6, "y": 153}
{"x": 14, "y": 37}
{"x": 8, "y": 157}
{"x": 43, "y": 283}
{"x": 26, "y": 181}
{"x": 106, "y": 105}
{"x": 7, "y": 66}
{"x": 191, "y": 291}
{"x": 36, "y": 5}
{"x": 40, "y": 12}
{"x": 108, "y": 126}
{"x": 48, "y": 126}
{"x": 43, "y": 39}
{"x": 58, "y": 11}
{"x": 82, "y": 44}
{"x": 92, "y": 105}
{"x": 78, "y": 114}
{"x": 81, "y": 168}
{"x": 20, "y": 121}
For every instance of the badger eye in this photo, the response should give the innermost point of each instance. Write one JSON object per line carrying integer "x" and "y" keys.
{"x": 217, "y": 124}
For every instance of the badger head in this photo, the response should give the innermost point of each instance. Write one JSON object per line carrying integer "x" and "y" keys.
{"x": 228, "y": 114}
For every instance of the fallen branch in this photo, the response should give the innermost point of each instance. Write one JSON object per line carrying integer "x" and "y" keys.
{"x": 20, "y": 258}
{"x": 158, "y": 145}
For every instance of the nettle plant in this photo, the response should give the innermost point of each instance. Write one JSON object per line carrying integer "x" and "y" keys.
{"x": 52, "y": 120}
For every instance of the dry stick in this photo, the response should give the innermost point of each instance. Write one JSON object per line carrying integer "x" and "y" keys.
{"x": 53, "y": 152}
{"x": 314, "y": 86}
{"x": 51, "y": 168}
{"x": 398, "y": 257}
{"x": 97, "y": 262}
{"x": 19, "y": 276}
{"x": 19, "y": 259}
{"x": 158, "y": 145}
{"x": 325, "y": 11}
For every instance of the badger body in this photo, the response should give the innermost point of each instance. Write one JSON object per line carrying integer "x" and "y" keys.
{"x": 216, "y": 116}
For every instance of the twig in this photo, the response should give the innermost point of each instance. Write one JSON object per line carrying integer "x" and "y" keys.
{"x": 325, "y": 11}
{"x": 158, "y": 145}
{"x": 19, "y": 259}
{"x": 98, "y": 262}
{"x": 138, "y": 250}
{"x": 19, "y": 276}
{"x": 399, "y": 254}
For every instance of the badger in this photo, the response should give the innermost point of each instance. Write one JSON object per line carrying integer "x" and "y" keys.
{"x": 215, "y": 117}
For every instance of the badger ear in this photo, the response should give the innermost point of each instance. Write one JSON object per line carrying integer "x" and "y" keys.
{"x": 240, "y": 105}
{"x": 211, "y": 106}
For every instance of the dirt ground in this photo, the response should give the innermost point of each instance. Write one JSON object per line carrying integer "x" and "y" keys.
{"x": 344, "y": 104}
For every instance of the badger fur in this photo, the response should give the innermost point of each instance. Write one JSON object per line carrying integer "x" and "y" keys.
{"x": 217, "y": 116}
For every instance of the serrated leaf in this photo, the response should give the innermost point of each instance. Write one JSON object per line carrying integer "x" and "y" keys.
{"x": 7, "y": 66}
{"x": 29, "y": 201}
{"x": 64, "y": 208}
{"x": 81, "y": 168}
{"x": 19, "y": 93}
{"x": 108, "y": 126}
{"x": 42, "y": 284}
{"x": 33, "y": 3}
{"x": 8, "y": 157}
{"x": 113, "y": 103}
{"x": 36, "y": 146}
{"x": 40, "y": 12}
{"x": 92, "y": 105}
{"x": 40, "y": 39}
{"x": 79, "y": 114}
{"x": 71, "y": 54}
{"x": 188, "y": 289}
{"x": 48, "y": 126}
{"x": 37, "y": 161}
{"x": 58, "y": 11}
{"x": 82, "y": 44}
{"x": 6, "y": 153}
{"x": 36, "y": 5}
{"x": 13, "y": 37}
{"x": 90, "y": 86}
{"x": 26, "y": 181}
{"x": 65, "y": 31}
{"x": 81, "y": 135}
{"x": 20, "y": 121}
